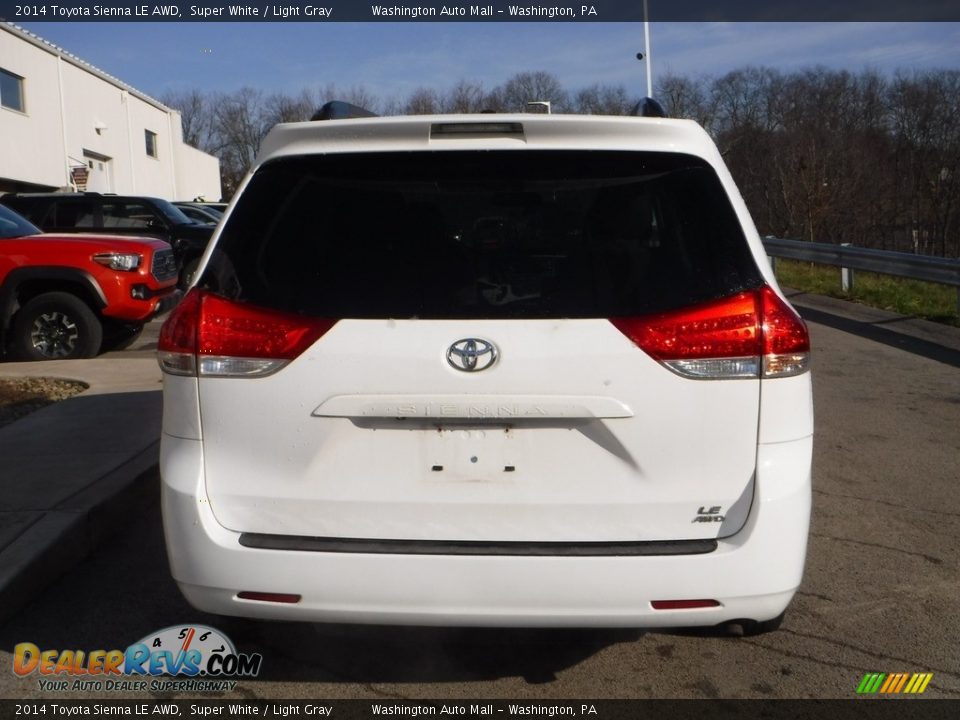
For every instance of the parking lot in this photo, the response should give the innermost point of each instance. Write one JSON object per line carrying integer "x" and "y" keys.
{"x": 879, "y": 594}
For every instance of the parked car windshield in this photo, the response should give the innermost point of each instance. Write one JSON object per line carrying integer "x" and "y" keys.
{"x": 172, "y": 212}
{"x": 204, "y": 216}
{"x": 496, "y": 234}
{"x": 13, "y": 225}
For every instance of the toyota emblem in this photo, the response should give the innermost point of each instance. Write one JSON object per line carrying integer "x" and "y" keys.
{"x": 471, "y": 355}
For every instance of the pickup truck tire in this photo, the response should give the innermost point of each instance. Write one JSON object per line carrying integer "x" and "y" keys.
{"x": 55, "y": 326}
{"x": 119, "y": 335}
{"x": 188, "y": 273}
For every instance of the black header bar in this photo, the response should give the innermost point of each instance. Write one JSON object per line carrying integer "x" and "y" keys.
{"x": 22, "y": 11}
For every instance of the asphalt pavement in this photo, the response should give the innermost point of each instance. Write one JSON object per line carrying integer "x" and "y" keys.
{"x": 71, "y": 471}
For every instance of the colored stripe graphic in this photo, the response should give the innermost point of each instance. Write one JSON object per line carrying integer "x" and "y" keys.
{"x": 893, "y": 683}
{"x": 870, "y": 683}
{"x": 918, "y": 683}
{"x": 903, "y": 680}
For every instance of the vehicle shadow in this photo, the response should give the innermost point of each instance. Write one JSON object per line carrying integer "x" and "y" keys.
{"x": 80, "y": 610}
{"x": 875, "y": 331}
{"x": 382, "y": 654}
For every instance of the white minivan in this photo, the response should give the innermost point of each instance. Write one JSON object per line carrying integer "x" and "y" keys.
{"x": 512, "y": 370}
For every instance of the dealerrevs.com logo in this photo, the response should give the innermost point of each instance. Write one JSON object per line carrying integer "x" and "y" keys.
{"x": 200, "y": 657}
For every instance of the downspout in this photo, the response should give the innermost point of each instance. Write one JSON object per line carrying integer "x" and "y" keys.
{"x": 173, "y": 158}
{"x": 63, "y": 125}
{"x": 125, "y": 99}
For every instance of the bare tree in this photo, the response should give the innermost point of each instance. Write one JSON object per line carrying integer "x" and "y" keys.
{"x": 422, "y": 101}
{"x": 819, "y": 154}
{"x": 355, "y": 95}
{"x": 465, "y": 97}
{"x": 240, "y": 122}
{"x": 195, "y": 116}
{"x": 926, "y": 121}
{"x": 684, "y": 97}
{"x": 280, "y": 108}
{"x": 527, "y": 87}
{"x": 604, "y": 100}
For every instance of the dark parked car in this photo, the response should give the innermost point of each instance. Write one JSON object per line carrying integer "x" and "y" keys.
{"x": 117, "y": 215}
{"x": 200, "y": 212}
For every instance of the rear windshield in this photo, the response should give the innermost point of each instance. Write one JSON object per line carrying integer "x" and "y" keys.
{"x": 496, "y": 234}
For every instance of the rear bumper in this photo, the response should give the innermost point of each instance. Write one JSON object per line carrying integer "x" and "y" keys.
{"x": 752, "y": 574}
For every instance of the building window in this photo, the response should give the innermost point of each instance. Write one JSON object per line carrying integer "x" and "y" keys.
{"x": 11, "y": 90}
{"x": 151, "y": 138}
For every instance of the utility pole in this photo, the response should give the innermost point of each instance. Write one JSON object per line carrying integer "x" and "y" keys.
{"x": 646, "y": 48}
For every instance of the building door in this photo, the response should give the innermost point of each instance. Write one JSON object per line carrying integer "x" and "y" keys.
{"x": 99, "y": 172}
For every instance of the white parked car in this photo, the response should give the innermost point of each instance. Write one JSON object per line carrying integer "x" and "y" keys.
{"x": 514, "y": 370}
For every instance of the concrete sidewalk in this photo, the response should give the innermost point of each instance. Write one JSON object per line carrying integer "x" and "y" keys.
{"x": 71, "y": 471}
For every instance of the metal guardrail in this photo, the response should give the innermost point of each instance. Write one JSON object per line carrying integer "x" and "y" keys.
{"x": 846, "y": 257}
{"x": 916, "y": 267}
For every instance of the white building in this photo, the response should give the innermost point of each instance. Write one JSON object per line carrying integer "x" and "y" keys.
{"x": 64, "y": 124}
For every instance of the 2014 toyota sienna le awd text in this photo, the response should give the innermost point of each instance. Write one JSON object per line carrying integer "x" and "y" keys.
{"x": 514, "y": 370}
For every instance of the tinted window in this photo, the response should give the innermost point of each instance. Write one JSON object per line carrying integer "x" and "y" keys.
{"x": 12, "y": 225}
{"x": 171, "y": 212}
{"x": 150, "y": 140}
{"x": 482, "y": 234}
{"x": 80, "y": 213}
{"x": 202, "y": 216}
{"x": 11, "y": 90}
{"x": 130, "y": 214}
{"x": 27, "y": 207}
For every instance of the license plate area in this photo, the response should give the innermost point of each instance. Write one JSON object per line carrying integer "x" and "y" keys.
{"x": 475, "y": 454}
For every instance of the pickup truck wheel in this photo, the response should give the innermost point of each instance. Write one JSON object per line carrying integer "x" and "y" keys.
{"x": 119, "y": 336}
{"x": 55, "y": 326}
{"x": 188, "y": 273}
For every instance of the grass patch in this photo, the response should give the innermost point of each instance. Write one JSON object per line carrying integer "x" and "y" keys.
{"x": 20, "y": 396}
{"x": 900, "y": 295}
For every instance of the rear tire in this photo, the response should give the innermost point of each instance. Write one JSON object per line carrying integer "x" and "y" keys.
{"x": 119, "y": 336}
{"x": 759, "y": 627}
{"x": 55, "y": 326}
{"x": 188, "y": 274}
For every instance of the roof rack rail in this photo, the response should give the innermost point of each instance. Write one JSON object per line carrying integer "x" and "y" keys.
{"x": 648, "y": 107}
{"x": 339, "y": 110}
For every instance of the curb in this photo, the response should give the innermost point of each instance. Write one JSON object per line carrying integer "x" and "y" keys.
{"x": 64, "y": 536}
{"x": 73, "y": 472}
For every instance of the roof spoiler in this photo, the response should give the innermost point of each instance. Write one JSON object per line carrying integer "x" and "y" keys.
{"x": 339, "y": 110}
{"x": 648, "y": 107}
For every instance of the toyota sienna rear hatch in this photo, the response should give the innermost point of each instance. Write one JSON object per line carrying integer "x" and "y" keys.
{"x": 481, "y": 349}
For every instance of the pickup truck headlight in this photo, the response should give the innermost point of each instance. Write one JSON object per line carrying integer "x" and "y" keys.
{"x": 119, "y": 261}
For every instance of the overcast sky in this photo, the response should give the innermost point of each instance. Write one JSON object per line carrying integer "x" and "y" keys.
{"x": 391, "y": 59}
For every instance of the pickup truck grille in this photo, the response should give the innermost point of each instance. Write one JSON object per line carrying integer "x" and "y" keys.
{"x": 164, "y": 265}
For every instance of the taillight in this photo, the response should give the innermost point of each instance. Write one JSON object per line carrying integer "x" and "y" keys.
{"x": 786, "y": 341}
{"x": 735, "y": 337}
{"x": 209, "y": 335}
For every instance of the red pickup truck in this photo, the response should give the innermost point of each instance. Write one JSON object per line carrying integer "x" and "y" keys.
{"x": 70, "y": 296}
